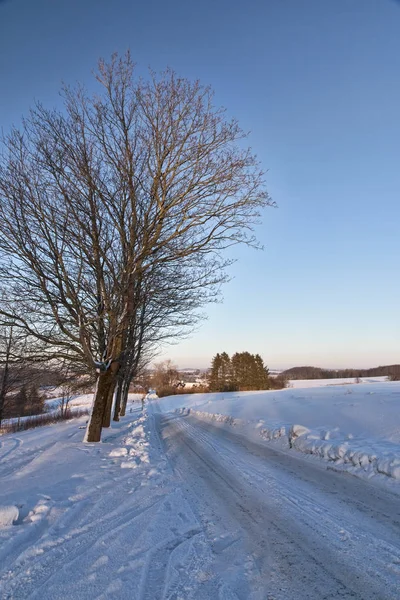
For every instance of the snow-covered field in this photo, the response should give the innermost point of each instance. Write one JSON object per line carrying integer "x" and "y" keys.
{"x": 190, "y": 505}
{"x": 354, "y": 426}
{"x": 76, "y": 402}
{"x": 309, "y": 383}
{"x": 78, "y": 405}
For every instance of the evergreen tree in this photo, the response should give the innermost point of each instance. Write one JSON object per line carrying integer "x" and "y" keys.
{"x": 249, "y": 372}
{"x": 221, "y": 378}
{"x": 244, "y": 371}
{"x": 262, "y": 374}
{"x": 237, "y": 370}
{"x": 226, "y": 379}
{"x": 214, "y": 378}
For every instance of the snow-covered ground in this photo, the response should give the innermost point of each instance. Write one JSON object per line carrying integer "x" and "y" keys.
{"x": 354, "y": 426}
{"x": 92, "y": 521}
{"x": 78, "y": 401}
{"x": 309, "y": 383}
{"x": 173, "y": 506}
{"x": 78, "y": 404}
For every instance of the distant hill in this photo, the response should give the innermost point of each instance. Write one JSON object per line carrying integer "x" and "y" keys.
{"x": 318, "y": 373}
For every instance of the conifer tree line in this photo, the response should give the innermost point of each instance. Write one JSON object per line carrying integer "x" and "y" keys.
{"x": 243, "y": 371}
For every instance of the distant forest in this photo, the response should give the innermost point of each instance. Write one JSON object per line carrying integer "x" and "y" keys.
{"x": 391, "y": 371}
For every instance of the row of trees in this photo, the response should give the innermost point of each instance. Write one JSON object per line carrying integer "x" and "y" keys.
{"x": 23, "y": 381}
{"x": 26, "y": 402}
{"x": 164, "y": 378}
{"x": 391, "y": 371}
{"x": 19, "y": 381}
{"x": 244, "y": 371}
{"x": 114, "y": 215}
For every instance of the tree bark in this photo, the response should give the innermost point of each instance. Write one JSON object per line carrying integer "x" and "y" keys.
{"x": 118, "y": 398}
{"x": 108, "y": 406}
{"x": 125, "y": 391}
{"x": 4, "y": 380}
{"x": 3, "y": 391}
{"x": 105, "y": 381}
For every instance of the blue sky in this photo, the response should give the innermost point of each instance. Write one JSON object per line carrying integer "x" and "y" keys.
{"x": 317, "y": 82}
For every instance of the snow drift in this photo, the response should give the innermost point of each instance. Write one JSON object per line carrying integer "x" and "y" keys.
{"x": 356, "y": 427}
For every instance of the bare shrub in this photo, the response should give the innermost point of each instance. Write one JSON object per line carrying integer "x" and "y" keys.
{"x": 394, "y": 377}
{"x": 278, "y": 383}
{"x": 22, "y": 424}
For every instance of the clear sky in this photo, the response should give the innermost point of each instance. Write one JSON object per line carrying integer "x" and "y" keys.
{"x": 317, "y": 82}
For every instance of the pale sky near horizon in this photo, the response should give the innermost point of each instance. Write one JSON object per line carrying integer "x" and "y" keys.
{"x": 317, "y": 82}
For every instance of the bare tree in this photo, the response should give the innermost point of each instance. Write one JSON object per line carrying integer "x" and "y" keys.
{"x": 6, "y": 343}
{"x": 71, "y": 382}
{"x": 146, "y": 182}
{"x": 14, "y": 368}
{"x": 165, "y": 375}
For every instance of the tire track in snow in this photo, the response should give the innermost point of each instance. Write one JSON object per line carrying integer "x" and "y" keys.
{"x": 3, "y": 443}
{"x": 290, "y": 549}
{"x": 55, "y": 555}
{"x": 379, "y": 509}
{"x": 110, "y": 538}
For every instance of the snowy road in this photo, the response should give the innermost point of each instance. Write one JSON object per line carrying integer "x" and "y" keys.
{"x": 280, "y": 526}
{"x": 169, "y": 507}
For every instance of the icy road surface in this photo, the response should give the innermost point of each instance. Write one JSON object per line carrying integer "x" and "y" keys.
{"x": 169, "y": 507}
{"x": 281, "y": 527}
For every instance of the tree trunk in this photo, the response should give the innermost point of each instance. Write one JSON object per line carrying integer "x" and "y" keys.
{"x": 3, "y": 394}
{"x": 105, "y": 381}
{"x": 125, "y": 391}
{"x": 4, "y": 380}
{"x": 108, "y": 407}
{"x": 118, "y": 398}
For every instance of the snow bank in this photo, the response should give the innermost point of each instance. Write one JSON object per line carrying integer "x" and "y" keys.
{"x": 270, "y": 433}
{"x": 210, "y": 416}
{"x": 362, "y": 456}
{"x": 135, "y": 448}
{"x": 368, "y": 410}
{"x": 329, "y": 445}
{"x": 356, "y": 427}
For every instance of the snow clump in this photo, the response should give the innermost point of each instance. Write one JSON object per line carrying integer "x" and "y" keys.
{"x": 8, "y": 515}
